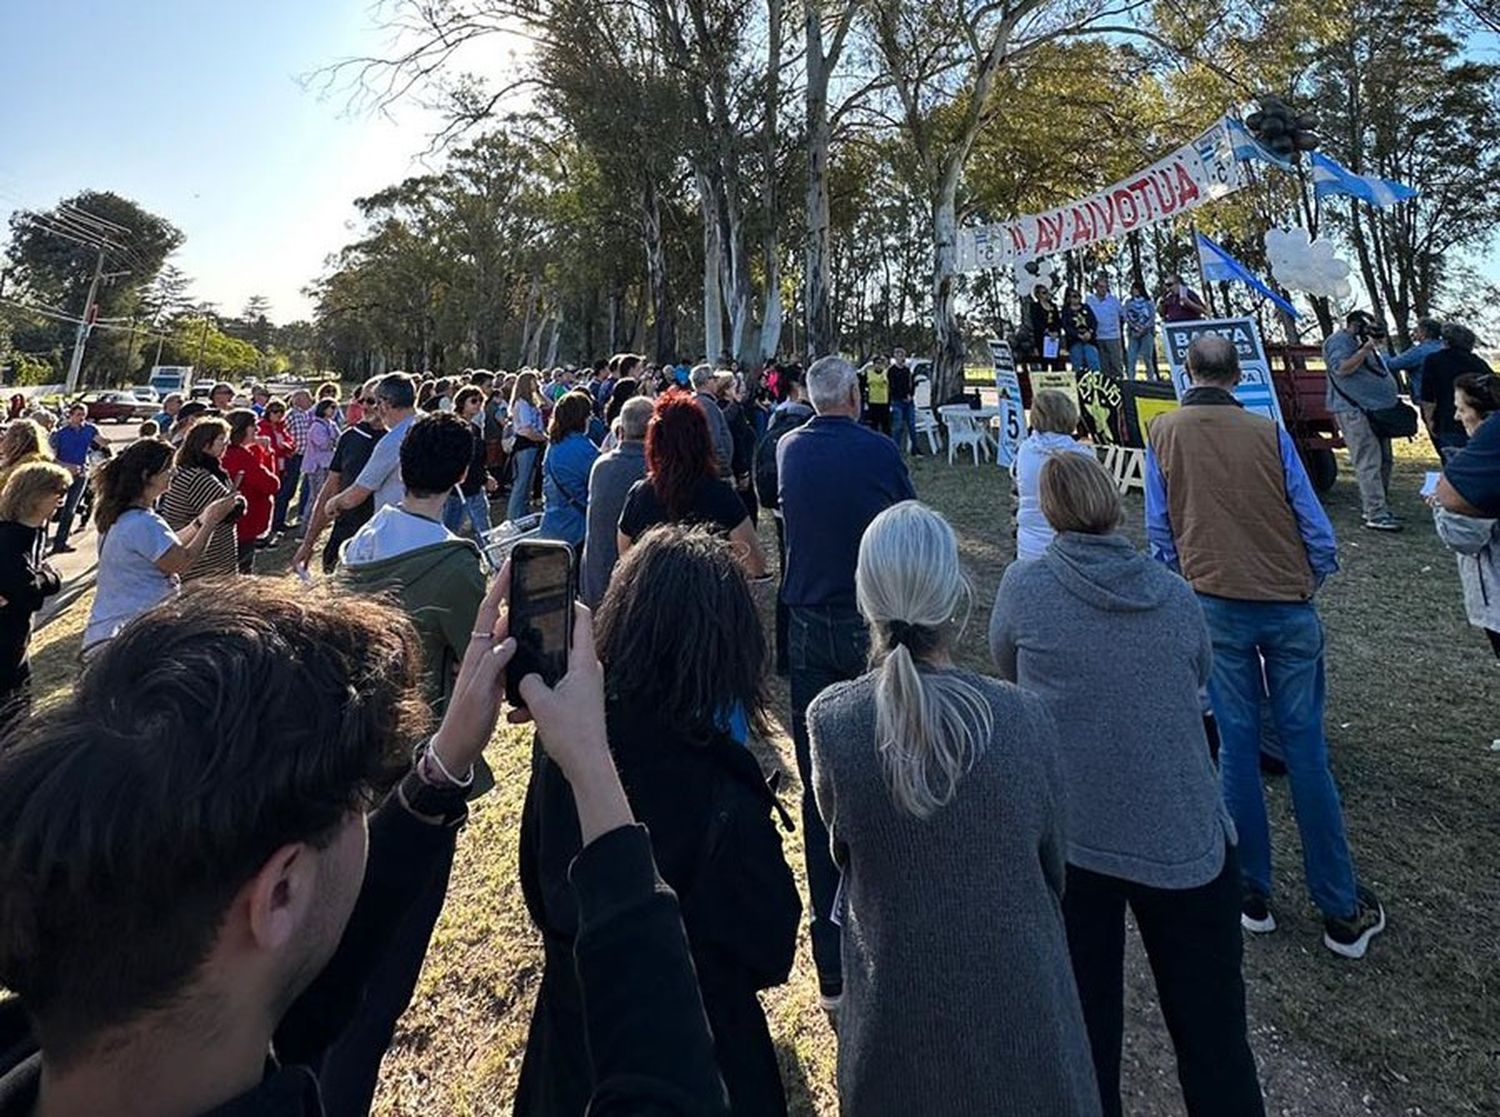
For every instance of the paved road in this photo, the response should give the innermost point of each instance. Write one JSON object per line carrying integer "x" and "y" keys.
{"x": 77, "y": 569}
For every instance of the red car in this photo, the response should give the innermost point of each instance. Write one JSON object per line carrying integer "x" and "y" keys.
{"x": 116, "y": 407}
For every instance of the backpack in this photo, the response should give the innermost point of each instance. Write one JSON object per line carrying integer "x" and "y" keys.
{"x": 743, "y": 903}
{"x": 766, "y": 479}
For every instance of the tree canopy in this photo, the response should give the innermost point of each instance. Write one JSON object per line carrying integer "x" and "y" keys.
{"x": 691, "y": 177}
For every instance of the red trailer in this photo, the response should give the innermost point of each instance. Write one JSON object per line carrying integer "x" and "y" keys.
{"x": 1301, "y": 387}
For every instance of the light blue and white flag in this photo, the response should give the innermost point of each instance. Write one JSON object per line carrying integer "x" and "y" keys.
{"x": 1246, "y": 147}
{"x": 1329, "y": 177}
{"x": 1220, "y": 267}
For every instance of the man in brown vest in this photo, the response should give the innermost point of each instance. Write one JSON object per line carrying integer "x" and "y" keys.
{"x": 1229, "y": 506}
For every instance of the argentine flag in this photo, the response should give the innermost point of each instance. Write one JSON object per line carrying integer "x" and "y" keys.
{"x": 1330, "y": 177}
{"x": 1246, "y": 147}
{"x": 1219, "y": 266}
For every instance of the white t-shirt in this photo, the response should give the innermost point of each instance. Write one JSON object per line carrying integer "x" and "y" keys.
{"x": 391, "y": 532}
{"x": 129, "y": 581}
{"x": 382, "y": 473}
{"x": 1033, "y": 532}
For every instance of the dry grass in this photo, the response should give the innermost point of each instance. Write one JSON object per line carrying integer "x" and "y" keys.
{"x": 1412, "y": 708}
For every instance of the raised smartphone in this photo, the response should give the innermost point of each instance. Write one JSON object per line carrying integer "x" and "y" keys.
{"x": 543, "y": 586}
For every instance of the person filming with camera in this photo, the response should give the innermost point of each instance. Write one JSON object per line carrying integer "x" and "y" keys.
{"x": 1360, "y": 386}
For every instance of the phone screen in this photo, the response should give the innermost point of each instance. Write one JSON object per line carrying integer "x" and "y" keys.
{"x": 541, "y": 613}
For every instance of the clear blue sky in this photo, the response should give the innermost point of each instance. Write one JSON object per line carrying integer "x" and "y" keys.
{"x": 193, "y": 109}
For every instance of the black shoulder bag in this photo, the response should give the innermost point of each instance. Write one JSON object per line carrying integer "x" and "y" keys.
{"x": 1397, "y": 421}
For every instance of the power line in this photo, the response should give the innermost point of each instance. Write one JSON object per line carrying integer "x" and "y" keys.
{"x": 103, "y": 324}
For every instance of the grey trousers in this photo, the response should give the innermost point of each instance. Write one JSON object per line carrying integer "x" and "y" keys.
{"x": 1112, "y": 356}
{"x": 1371, "y": 457}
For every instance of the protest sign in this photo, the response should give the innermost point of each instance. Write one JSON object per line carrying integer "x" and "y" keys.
{"x": 1195, "y": 174}
{"x": 1012, "y": 415}
{"x": 1064, "y": 382}
{"x": 1256, "y": 389}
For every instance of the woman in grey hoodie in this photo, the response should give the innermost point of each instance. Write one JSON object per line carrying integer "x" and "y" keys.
{"x": 1116, "y": 647}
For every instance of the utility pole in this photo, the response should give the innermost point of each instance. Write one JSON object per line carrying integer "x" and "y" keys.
{"x": 85, "y": 324}
{"x": 202, "y": 345}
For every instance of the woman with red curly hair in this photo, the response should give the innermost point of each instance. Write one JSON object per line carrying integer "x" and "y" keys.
{"x": 682, "y": 484}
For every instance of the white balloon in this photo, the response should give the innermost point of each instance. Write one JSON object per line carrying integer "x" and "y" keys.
{"x": 1343, "y": 289}
{"x": 1299, "y": 237}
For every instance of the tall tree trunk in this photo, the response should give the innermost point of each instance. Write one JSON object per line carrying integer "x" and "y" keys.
{"x": 948, "y": 340}
{"x": 557, "y": 321}
{"x": 713, "y": 263}
{"x": 819, "y": 339}
{"x": 614, "y": 316}
{"x": 737, "y": 256}
{"x": 656, "y": 274}
{"x": 770, "y": 330}
{"x": 533, "y": 293}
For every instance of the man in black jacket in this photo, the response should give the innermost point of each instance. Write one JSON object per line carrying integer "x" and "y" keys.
{"x": 192, "y": 894}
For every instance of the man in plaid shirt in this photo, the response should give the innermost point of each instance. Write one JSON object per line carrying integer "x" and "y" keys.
{"x": 299, "y": 417}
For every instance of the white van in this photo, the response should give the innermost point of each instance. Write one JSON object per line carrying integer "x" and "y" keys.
{"x": 171, "y": 378}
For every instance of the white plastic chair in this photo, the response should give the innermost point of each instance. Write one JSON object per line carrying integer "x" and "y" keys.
{"x": 964, "y": 430}
{"x": 496, "y": 544}
{"x": 925, "y": 426}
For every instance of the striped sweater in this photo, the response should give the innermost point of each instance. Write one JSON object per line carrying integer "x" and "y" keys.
{"x": 193, "y": 490}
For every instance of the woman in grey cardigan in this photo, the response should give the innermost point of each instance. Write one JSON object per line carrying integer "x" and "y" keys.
{"x": 1116, "y": 647}
{"x": 941, "y": 792}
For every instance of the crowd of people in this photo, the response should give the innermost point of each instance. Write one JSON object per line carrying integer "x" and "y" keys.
{"x": 235, "y": 835}
{"x": 1100, "y": 332}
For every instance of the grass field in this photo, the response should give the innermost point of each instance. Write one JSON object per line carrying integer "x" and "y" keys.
{"x": 1414, "y": 702}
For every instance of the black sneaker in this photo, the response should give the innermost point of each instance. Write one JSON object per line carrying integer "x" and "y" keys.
{"x": 1255, "y": 914}
{"x": 1350, "y": 938}
{"x": 64, "y": 549}
{"x": 1383, "y": 522}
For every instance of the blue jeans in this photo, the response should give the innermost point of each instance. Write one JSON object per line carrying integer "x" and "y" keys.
{"x": 1085, "y": 356}
{"x": 70, "y": 508}
{"x": 1290, "y": 638}
{"x": 520, "y": 489}
{"x": 1141, "y": 348}
{"x": 904, "y": 424}
{"x": 826, "y": 645}
{"x": 476, "y": 509}
{"x": 291, "y": 473}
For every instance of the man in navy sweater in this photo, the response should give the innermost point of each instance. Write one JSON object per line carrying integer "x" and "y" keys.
{"x": 835, "y": 476}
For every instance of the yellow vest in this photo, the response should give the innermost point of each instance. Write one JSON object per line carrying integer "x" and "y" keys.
{"x": 879, "y": 383}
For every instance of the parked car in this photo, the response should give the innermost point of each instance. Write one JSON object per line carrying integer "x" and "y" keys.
{"x": 116, "y": 407}
{"x": 145, "y": 394}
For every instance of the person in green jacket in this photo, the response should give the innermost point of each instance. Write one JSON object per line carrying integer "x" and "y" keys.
{"x": 405, "y": 554}
{"x": 406, "y": 550}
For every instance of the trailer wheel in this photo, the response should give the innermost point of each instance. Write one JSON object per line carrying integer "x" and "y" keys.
{"x": 1322, "y": 468}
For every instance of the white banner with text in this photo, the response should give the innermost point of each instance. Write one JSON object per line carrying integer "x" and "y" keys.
{"x": 1195, "y": 174}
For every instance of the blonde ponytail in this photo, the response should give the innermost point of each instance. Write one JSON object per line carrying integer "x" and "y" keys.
{"x": 930, "y": 726}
